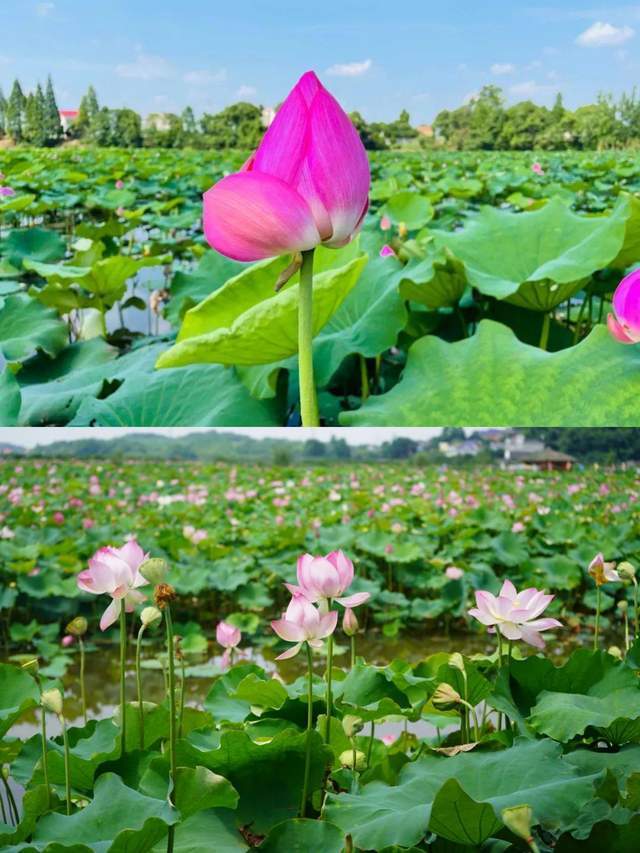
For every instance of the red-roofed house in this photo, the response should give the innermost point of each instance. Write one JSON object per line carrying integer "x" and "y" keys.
{"x": 67, "y": 117}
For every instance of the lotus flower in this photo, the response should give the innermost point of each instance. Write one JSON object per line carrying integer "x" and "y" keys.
{"x": 603, "y": 572}
{"x": 303, "y": 623}
{"x": 115, "y": 571}
{"x": 515, "y": 614}
{"x": 624, "y": 323}
{"x": 306, "y": 184}
{"x": 7, "y": 192}
{"x": 227, "y": 635}
{"x": 323, "y": 578}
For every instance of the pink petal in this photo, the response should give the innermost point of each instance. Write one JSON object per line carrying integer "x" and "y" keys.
{"x": 626, "y": 303}
{"x": 288, "y": 631}
{"x": 132, "y": 554}
{"x": 508, "y": 590}
{"x": 344, "y": 567}
{"x": 249, "y": 216}
{"x": 327, "y": 624}
{"x": 510, "y": 631}
{"x": 290, "y": 653}
{"x": 481, "y": 616}
{"x": 532, "y": 637}
{"x": 618, "y": 332}
{"x": 354, "y": 600}
{"x": 543, "y": 624}
{"x": 110, "y": 615}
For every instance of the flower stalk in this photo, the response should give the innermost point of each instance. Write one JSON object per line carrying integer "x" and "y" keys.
{"x": 308, "y": 398}
{"x": 123, "y": 696}
{"x": 307, "y": 757}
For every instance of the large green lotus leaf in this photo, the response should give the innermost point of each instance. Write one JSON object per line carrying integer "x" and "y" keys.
{"x": 198, "y": 395}
{"x": 438, "y": 281}
{"x": 18, "y": 693}
{"x": 16, "y": 203}
{"x": 493, "y": 379}
{"x": 189, "y": 288}
{"x": 10, "y": 398}
{"x": 531, "y": 772}
{"x": 536, "y": 259}
{"x": 562, "y": 716}
{"x": 459, "y": 818}
{"x": 606, "y": 837}
{"x": 409, "y": 209}
{"x": 253, "y": 768}
{"x": 37, "y": 244}
{"x": 198, "y": 788}
{"x": 233, "y": 327}
{"x": 26, "y": 326}
{"x": 117, "y": 820}
{"x": 302, "y": 836}
{"x": 216, "y": 826}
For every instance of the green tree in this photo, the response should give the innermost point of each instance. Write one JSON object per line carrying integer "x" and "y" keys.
{"x": 87, "y": 112}
{"x": 595, "y": 125}
{"x": 237, "y": 126}
{"x": 35, "y": 119}
{"x": 3, "y": 113}
{"x": 52, "y": 124}
{"x": 372, "y": 135}
{"x": 524, "y": 124}
{"x": 15, "y": 112}
{"x": 314, "y": 449}
{"x": 127, "y": 129}
{"x": 101, "y": 129}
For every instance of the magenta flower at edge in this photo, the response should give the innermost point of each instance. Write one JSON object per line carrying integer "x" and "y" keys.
{"x": 624, "y": 323}
{"x": 115, "y": 572}
{"x": 307, "y": 183}
{"x": 515, "y": 614}
{"x": 303, "y": 623}
{"x": 323, "y": 578}
{"x": 7, "y": 192}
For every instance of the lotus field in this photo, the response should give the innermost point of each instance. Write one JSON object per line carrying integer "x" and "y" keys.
{"x": 477, "y": 291}
{"x": 202, "y": 656}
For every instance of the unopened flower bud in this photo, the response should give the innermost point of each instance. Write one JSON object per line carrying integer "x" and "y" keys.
{"x": 627, "y": 571}
{"x": 154, "y": 570}
{"x": 518, "y": 820}
{"x": 623, "y": 606}
{"x": 77, "y": 627}
{"x": 52, "y": 701}
{"x": 352, "y": 725}
{"x": 350, "y": 623}
{"x": 150, "y": 615}
{"x": 456, "y": 661}
{"x": 446, "y": 697}
{"x": 346, "y": 759}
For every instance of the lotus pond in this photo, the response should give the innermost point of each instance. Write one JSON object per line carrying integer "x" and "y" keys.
{"x": 398, "y": 715}
{"x": 491, "y": 296}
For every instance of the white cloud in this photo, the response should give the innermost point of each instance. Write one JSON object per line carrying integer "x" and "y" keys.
{"x": 44, "y": 9}
{"x": 204, "y": 77}
{"x": 350, "y": 69}
{"x": 500, "y": 68}
{"x": 602, "y": 34}
{"x": 529, "y": 89}
{"x": 246, "y": 92}
{"x": 146, "y": 67}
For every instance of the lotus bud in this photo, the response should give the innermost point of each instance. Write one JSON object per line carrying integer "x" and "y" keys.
{"x": 31, "y": 666}
{"x": 518, "y": 819}
{"x": 352, "y": 725}
{"x": 350, "y": 623}
{"x": 346, "y": 759}
{"x": 446, "y": 697}
{"x": 627, "y": 571}
{"x": 52, "y": 701}
{"x": 77, "y": 627}
{"x": 615, "y": 652}
{"x": 150, "y": 615}
{"x": 456, "y": 661}
{"x": 154, "y": 570}
{"x": 623, "y": 606}
{"x": 402, "y": 230}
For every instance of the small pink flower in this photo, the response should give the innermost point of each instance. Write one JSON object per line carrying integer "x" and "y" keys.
{"x": 58, "y": 518}
{"x": 68, "y": 640}
{"x": 350, "y": 623}
{"x": 517, "y": 527}
{"x": 454, "y": 573}
{"x": 302, "y": 622}
{"x": 386, "y": 252}
{"x": 624, "y": 323}
{"x": 119, "y": 184}
{"x": 388, "y": 740}
{"x": 88, "y": 523}
{"x": 227, "y": 635}
{"x": 515, "y": 614}
{"x": 115, "y": 572}
{"x": 7, "y": 192}
{"x": 537, "y": 169}
{"x": 322, "y": 578}
{"x": 385, "y": 223}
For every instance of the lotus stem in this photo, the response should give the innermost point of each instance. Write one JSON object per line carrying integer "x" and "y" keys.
{"x": 172, "y": 716}
{"x": 182, "y": 685}
{"x": 597, "y": 631}
{"x": 364, "y": 379}
{"x": 14, "y": 816}
{"x": 353, "y": 651}
{"x": 2, "y": 810}
{"x": 462, "y": 321}
{"x": 544, "y": 335}
{"x": 329, "y": 673}
{"x": 139, "y": 685}
{"x": 308, "y": 399}
{"x": 307, "y": 757}
{"x": 123, "y": 657}
{"x": 370, "y": 748}
{"x": 636, "y": 633}
{"x": 83, "y": 695}
{"x": 67, "y": 772}
{"x": 576, "y": 332}
{"x": 45, "y": 761}
{"x": 499, "y": 647}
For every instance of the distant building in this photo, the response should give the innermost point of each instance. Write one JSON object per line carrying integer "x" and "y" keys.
{"x": 456, "y": 449}
{"x": 158, "y": 121}
{"x": 544, "y": 460}
{"x": 425, "y": 130}
{"x": 67, "y": 118}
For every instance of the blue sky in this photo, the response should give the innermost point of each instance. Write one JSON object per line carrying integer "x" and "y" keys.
{"x": 377, "y": 57}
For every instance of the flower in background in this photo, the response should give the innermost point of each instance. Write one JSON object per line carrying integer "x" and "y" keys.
{"x": 7, "y": 192}
{"x": 303, "y": 623}
{"x": 624, "y": 323}
{"x": 603, "y": 572}
{"x": 115, "y": 572}
{"x": 307, "y": 183}
{"x": 193, "y": 535}
{"x": 537, "y": 169}
{"x": 385, "y": 223}
{"x": 386, "y": 252}
{"x": 67, "y": 640}
{"x": 119, "y": 184}
{"x": 454, "y": 573}
{"x": 228, "y": 637}
{"x": 515, "y": 614}
{"x": 323, "y": 578}
{"x": 517, "y": 527}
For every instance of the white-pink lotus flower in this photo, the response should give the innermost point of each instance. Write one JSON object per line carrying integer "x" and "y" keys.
{"x": 324, "y": 578}
{"x": 303, "y": 623}
{"x": 603, "y": 572}
{"x": 115, "y": 572}
{"x": 515, "y": 614}
{"x": 227, "y": 635}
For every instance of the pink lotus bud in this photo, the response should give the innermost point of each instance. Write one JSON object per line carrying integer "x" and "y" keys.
{"x": 119, "y": 184}
{"x": 385, "y": 223}
{"x": 388, "y": 740}
{"x": 537, "y": 169}
{"x": 517, "y": 527}
{"x": 88, "y": 523}
{"x": 350, "y": 623}
{"x": 386, "y": 252}
{"x": 67, "y": 641}
{"x": 454, "y": 573}
{"x": 7, "y": 192}
{"x": 227, "y": 635}
{"x": 624, "y": 323}
{"x": 302, "y": 622}
{"x": 58, "y": 518}
{"x": 306, "y": 184}
{"x": 322, "y": 578}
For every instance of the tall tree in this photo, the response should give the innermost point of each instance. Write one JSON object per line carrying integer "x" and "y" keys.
{"x": 52, "y": 124}
{"x": 15, "y": 112}
{"x": 3, "y": 113}
{"x": 35, "y": 119}
{"x": 87, "y": 112}
{"x": 128, "y": 129}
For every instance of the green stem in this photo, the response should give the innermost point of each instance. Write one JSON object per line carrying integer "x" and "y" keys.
{"x": 67, "y": 772}
{"x": 544, "y": 335}
{"x": 499, "y": 647}
{"x": 597, "y": 631}
{"x": 123, "y": 658}
{"x": 11, "y": 803}
{"x": 307, "y": 757}
{"x": 370, "y": 749}
{"x": 377, "y": 372}
{"x": 364, "y": 379}
{"x": 139, "y": 686}
{"x": 45, "y": 762}
{"x": 462, "y": 321}
{"x": 182, "y": 682}
{"x": 83, "y": 697}
{"x": 2, "y": 811}
{"x": 353, "y": 651}
{"x": 635, "y": 609}
{"x": 576, "y": 331}
{"x": 172, "y": 717}
{"x": 308, "y": 400}
{"x": 329, "y": 675}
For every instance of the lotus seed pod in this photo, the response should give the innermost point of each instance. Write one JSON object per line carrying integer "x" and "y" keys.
{"x": 346, "y": 759}
{"x": 518, "y": 820}
{"x": 352, "y": 725}
{"x": 154, "y": 570}
{"x": 627, "y": 571}
{"x": 52, "y": 701}
{"x": 445, "y": 698}
{"x": 623, "y": 606}
{"x": 77, "y": 627}
{"x": 150, "y": 615}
